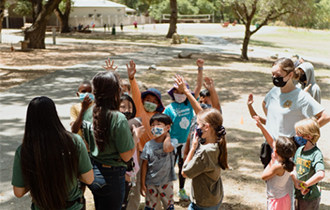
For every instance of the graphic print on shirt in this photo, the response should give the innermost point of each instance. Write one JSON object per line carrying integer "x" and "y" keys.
{"x": 303, "y": 166}
{"x": 184, "y": 123}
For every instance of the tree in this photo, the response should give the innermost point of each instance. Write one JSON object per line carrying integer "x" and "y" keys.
{"x": 261, "y": 12}
{"x": 2, "y": 12}
{"x": 40, "y": 14}
{"x": 62, "y": 13}
{"x": 173, "y": 18}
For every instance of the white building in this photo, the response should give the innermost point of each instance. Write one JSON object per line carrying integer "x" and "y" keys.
{"x": 100, "y": 12}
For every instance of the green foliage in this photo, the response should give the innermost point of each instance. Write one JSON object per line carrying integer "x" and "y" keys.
{"x": 205, "y": 7}
{"x": 185, "y": 7}
{"x": 23, "y": 8}
{"x": 62, "y": 5}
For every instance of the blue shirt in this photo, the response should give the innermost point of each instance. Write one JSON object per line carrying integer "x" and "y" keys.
{"x": 160, "y": 164}
{"x": 181, "y": 116}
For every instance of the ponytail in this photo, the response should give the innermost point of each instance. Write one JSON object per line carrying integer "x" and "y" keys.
{"x": 288, "y": 164}
{"x": 222, "y": 144}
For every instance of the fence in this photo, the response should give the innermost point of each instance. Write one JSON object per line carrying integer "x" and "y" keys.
{"x": 109, "y": 20}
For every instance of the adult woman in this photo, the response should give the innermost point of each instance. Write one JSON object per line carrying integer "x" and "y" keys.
{"x": 285, "y": 104}
{"x": 110, "y": 142}
{"x": 49, "y": 160}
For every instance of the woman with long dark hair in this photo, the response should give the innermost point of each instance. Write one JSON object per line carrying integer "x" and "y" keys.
{"x": 110, "y": 141}
{"x": 50, "y": 160}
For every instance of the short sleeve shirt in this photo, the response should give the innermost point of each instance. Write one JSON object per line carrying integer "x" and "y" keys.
{"x": 120, "y": 140}
{"x": 181, "y": 116}
{"x": 160, "y": 164}
{"x": 307, "y": 164}
{"x": 84, "y": 165}
{"x": 285, "y": 109}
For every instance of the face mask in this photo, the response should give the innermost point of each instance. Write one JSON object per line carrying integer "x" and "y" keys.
{"x": 149, "y": 106}
{"x": 82, "y": 96}
{"x": 125, "y": 93}
{"x": 179, "y": 98}
{"x": 128, "y": 115}
{"x": 157, "y": 131}
{"x": 278, "y": 81}
{"x": 302, "y": 78}
{"x": 300, "y": 140}
{"x": 199, "y": 132}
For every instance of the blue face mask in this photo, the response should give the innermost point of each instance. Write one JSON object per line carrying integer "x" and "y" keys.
{"x": 300, "y": 140}
{"x": 157, "y": 131}
{"x": 82, "y": 96}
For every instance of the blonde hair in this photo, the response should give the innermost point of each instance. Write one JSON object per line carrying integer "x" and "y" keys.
{"x": 308, "y": 127}
{"x": 214, "y": 118}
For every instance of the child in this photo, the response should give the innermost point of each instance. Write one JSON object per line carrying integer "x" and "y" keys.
{"x": 128, "y": 108}
{"x": 181, "y": 112}
{"x": 78, "y": 110}
{"x": 147, "y": 104}
{"x": 157, "y": 172}
{"x": 277, "y": 172}
{"x": 309, "y": 166}
{"x": 205, "y": 161}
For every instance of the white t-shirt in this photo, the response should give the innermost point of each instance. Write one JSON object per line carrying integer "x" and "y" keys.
{"x": 285, "y": 109}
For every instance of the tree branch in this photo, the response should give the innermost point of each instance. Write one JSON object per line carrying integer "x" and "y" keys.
{"x": 237, "y": 7}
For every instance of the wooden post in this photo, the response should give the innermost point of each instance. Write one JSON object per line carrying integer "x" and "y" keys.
{"x": 54, "y": 35}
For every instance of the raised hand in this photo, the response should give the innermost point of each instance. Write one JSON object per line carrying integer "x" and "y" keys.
{"x": 86, "y": 102}
{"x": 257, "y": 119}
{"x": 250, "y": 99}
{"x": 180, "y": 83}
{"x": 138, "y": 131}
{"x": 131, "y": 70}
{"x": 200, "y": 63}
{"x": 109, "y": 66}
{"x": 208, "y": 84}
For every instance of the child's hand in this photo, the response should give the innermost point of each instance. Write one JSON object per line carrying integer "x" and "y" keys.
{"x": 195, "y": 142}
{"x": 131, "y": 70}
{"x": 85, "y": 103}
{"x": 180, "y": 82}
{"x": 306, "y": 89}
{"x": 208, "y": 84}
{"x": 143, "y": 190}
{"x": 304, "y": 191}
{"x": 138, "y": 131}
{"x": 200, "y": 63}
{"x": 110, "y": 66}
{"x": 257, "y": 119}
{"x": 250, "y": 100}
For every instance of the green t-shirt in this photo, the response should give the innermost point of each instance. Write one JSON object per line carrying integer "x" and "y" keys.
{"x": 120, "y": 140}
{"x": 84, "y": 165}
{"x": 307, "y": 164}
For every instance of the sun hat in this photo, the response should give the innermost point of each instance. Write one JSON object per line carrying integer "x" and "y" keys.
{"x": 175, "y": 86}
{"x": 155, "y": 92}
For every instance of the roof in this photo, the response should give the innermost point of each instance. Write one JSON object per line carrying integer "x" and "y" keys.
{"x": 99, "y": 3}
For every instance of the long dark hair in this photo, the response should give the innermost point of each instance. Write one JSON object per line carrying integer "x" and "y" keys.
{"x": 106, "y": 89}
{"x": 213, "y": 117}
{"x": 286, "y": 149}
{"x": 49, "y": 158}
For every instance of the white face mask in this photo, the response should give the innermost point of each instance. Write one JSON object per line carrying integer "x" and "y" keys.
{"x": 157, "y": 131}
{"x": 179, "y": 98}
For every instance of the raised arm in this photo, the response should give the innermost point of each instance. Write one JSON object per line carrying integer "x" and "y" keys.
{"x": 84, "y": 106}
{"x": 167, "y": 145}
{"x": 183, "y": 88}
{"x": 252, "y": 111}
{"x": 208, "y": 84}
{"x": 268, "y": 137}
{"x": 136, "y": 94}
{"x": 200, "y": 64}
{"x": 322, "y": 118}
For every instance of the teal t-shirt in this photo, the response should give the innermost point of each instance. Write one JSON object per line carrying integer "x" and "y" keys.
{"x": 120, "y": 140}
{"x": 181, "y": 116}
{"x": 84, "y": 165}
{"x": 307, "y": 164}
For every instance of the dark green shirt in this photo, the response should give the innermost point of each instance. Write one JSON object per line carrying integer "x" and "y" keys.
{"x": 307, "y": 164}
{"x": 120, "y": 140}
{"x": 84, "y": 165}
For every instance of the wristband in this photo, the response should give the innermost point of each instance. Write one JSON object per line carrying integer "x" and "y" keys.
{"x": 302, "y": 185}
{"x": 200, "y": 68}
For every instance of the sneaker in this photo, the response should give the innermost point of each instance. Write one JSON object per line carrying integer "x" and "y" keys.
{"x": 182, "y": 194}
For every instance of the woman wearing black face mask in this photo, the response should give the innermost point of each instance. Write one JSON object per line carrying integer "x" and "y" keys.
{"x": 284, "y": 105}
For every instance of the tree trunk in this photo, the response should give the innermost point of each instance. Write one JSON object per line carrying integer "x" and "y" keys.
{"x": 36, "y": 9}
{"x": 2, "y": 12}
{"x": 173, "y": 18}
{"x": 36, "y": 33}
{"x": 246, "y": 40}
{"x": 64, "y": 18}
